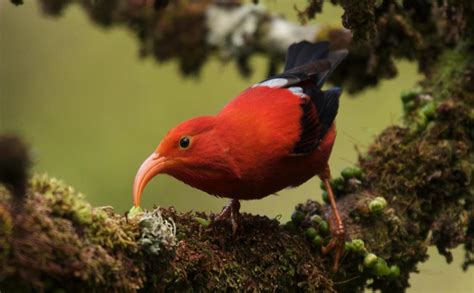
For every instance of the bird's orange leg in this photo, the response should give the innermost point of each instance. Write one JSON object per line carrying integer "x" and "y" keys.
{"x": 336, "y": 226}
{"x": 232, "y": 211}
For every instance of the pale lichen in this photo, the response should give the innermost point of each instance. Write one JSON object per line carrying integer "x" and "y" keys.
{"x": 157, "y": 233}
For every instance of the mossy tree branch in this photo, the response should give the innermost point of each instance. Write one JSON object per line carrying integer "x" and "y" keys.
{"x": 416, "y": 189}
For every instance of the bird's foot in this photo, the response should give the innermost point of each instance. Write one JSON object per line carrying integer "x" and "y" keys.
{"x": 335, "y": 224}
{"x": 232, "y": 211}
{"x": 336, "y": 243}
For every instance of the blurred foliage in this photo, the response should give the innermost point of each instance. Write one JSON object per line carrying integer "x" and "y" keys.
{"x": 184, "y": 31}
{"x": 412, "y": 29}
{"x": 383, "y": 32}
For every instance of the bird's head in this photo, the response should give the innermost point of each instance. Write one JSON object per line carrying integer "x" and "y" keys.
{"x": 185, "y": 152}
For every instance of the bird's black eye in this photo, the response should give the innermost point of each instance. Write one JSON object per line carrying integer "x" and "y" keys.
{"x": 184, "y": 142}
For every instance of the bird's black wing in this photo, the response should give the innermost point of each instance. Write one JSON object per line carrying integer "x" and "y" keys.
{"x": 318, "y": 116}
{"x": 307, "y": 67}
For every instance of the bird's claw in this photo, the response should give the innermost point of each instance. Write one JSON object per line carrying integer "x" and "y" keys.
{"x": 231, "y": 210}
{"x": 335, "y": 224}
{"x": 224, "y": 214}
{"x": 337, "y": 242}
{"x": 235, "y": 219}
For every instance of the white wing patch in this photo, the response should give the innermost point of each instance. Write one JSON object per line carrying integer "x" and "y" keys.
{"x": 276, "y": 82}
{"x": 298, "y": 91}
{"x": 281, "y": 82}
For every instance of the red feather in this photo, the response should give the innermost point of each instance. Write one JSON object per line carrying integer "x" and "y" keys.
{"x": 248, "y": 152}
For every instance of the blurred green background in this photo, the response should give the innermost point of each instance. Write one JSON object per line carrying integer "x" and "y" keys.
{"x": 91, "y": 111}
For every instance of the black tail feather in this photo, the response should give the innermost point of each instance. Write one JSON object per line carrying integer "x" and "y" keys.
{"x": 314, "y": 62}
{"x": 304, "y": 52}
{"x": 335, "y": 57}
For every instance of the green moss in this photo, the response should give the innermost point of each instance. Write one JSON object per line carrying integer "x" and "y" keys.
{"x": 6, "y": 227}
{"x": 409, "y": 95}
{"x": 202, "y": 221}
{"x": 96, "y": 249}
{"x": 429, "y": 110}
{"x": 65, "y": 202}
{"x": 448, "y": 77}
{"x": 65, "y": 238}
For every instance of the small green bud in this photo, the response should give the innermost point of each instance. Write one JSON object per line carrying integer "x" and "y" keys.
{"x": 369, "y": 260}
{"x": 408, "y": 106}
{"x": 316, "y": 218}
{"x": 297, "y": 217}
{"x": 377, "y": 205}
{"x": 420, "y": 122}
{"x": 337, "y": 183}
{"x": 358, "y": 245}
{"x": 380, "y": 268}
{"x": 317, "y": 240}
{"x": 429, "y": 110}
{"x": 351, "y": 172}
{"x": 382, "y": 200}
{"x": 409, "y": 95}
{"x": 311, "y": 232}
{"x": 394, "y": 271}
{"x": 358, "y": 173}
{"x": 348, "y": 246}
{"x": 347, "y": 173}
{"x": 325, "y": 196}
{"x": 323, "y": 227}
{"x": 135, "y": 211}
{"x": 202, "y": 221}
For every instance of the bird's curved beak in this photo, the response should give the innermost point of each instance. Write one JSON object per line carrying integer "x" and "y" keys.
{"x": 151, "y": 167}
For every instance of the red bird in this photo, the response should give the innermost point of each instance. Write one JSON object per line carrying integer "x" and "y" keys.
{"x": 276, "y": 134}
